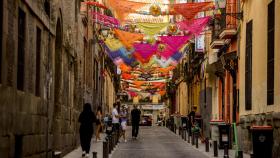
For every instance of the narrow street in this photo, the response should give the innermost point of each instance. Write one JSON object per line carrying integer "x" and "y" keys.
{"x": 72, "y": 71}
{"x": 156, "y": 142}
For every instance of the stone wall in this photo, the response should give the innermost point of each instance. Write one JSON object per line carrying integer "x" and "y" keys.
{"x": 244, "y": 133}
{"x": 34, "y": 126}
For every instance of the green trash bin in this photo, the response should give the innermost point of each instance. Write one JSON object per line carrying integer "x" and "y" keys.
{"x": 262, "y": 137}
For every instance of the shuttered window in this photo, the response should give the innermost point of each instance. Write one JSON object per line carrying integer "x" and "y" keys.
{"x": 270, "y": 52}
{"x": 21, "y": 50}
{"x": 248, "y": 66}
{"x": 1, "y": 34}
{"x": 38, "y": 61}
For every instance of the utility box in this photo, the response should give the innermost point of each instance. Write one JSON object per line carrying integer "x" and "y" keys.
{"x": 262, "y": 137}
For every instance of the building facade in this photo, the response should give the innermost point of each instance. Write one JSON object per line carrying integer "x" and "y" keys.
{"x": 50, "y": 66}
{"x": 259, "y": 70}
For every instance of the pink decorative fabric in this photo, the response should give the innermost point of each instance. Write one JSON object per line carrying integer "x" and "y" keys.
{"x": 145, "y": 50}
{"x": 132, "y": 94}
{"x": 173, "y": 44}
{"x": 106, "y": 20}
{"x": 195, "y": 27}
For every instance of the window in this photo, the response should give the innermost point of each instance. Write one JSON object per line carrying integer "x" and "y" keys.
{"x": 248, "y": 66}
{"x": 47, "y": 7}
{"x": 21, "y": 50}
{"x": 270, "y": 52}
{"x": 95, "y": 74}
{"x": 38, "y": 61}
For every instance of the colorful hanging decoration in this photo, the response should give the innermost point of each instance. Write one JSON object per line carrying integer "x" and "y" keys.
{"x": 172, "y": 44}
{"x": 127, "y": 76}
{"x": 96, "y": 4}
{"x": 124, "y": 7}
{"x": 177, "y": 56}
{"x": 175, "y": 42}
{"x": 128, "y": 38}
{"x": 124, "y": 68}
{"x": 155, "y": 10}
{"x": 152, "y": 28}
{"x": 105, "y": 20}
{"x": 145, "y": 50}
{"x": 140, "y": 58}
{"x": 113, "y": 44}
{"x": 195, "y": 27}
{"x": 172, "y": 29}
{"x": 163, "y": 63}
{"x": 190, "y": 10}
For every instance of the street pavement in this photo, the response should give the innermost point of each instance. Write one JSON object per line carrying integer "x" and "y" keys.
{"x": 153, "y": 142}
{"x": 156, "y": 142}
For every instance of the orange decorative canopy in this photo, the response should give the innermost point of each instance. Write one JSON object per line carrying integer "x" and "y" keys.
{"x": 190, "y": 10}
{"x": 124, "y": 7}
{"x": 128, "y": 38}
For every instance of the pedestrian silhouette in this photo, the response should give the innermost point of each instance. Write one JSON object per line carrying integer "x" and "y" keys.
{"x": 135, "y": 119}
{"x": 86, "y": 119}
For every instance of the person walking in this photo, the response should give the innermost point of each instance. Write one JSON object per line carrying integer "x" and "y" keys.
{"x": 86, "y": 119}
{"x": 105, "y": 121}
{"x": 123, "y": 119}
{"x": 115, "y": 119}
{"x": 135, "y": 119}
{"x": 98, "y": 123}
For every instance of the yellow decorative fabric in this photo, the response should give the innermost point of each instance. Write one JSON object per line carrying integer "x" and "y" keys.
{"x": 124, "y": 7}
{"x": 128, "y": 38}
{"x": 152, "y": 28}
{"x": 113, "y": 44}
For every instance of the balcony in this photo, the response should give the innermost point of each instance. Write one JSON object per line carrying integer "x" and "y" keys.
{"x": 218, "y": 25}
{"x": 225, "y": 25}
{"x": 229, "y": 21}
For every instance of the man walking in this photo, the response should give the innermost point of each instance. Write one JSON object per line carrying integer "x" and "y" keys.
{"x": 135, "y": 119}
{"x": 115, "y": 119}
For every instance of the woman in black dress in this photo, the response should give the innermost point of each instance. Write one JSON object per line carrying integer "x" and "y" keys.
{"x": 86, "y": 118}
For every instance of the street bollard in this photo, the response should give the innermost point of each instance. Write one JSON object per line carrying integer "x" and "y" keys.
{"x": 115, "y": 140}
{"x": 105, "y": 149}
{"x": 226, "y": 151}
{"x": 110, "y": 144}
{"x": 215, "y": 148}
{"x": 207, "y": 144}
{"x": 189, "y": 139}
{"x": 196, "y": 140}
{"x": 240, "y": 154}
{"x": 185, "y": 135}
{"x": 94, "y": 154}
{"x": 192, "y": 138}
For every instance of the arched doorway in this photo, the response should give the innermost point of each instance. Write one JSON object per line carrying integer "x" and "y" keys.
{"x": 56, "y": 126}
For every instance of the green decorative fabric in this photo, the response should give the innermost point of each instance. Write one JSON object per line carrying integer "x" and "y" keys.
{"x": 152, "y": 28}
